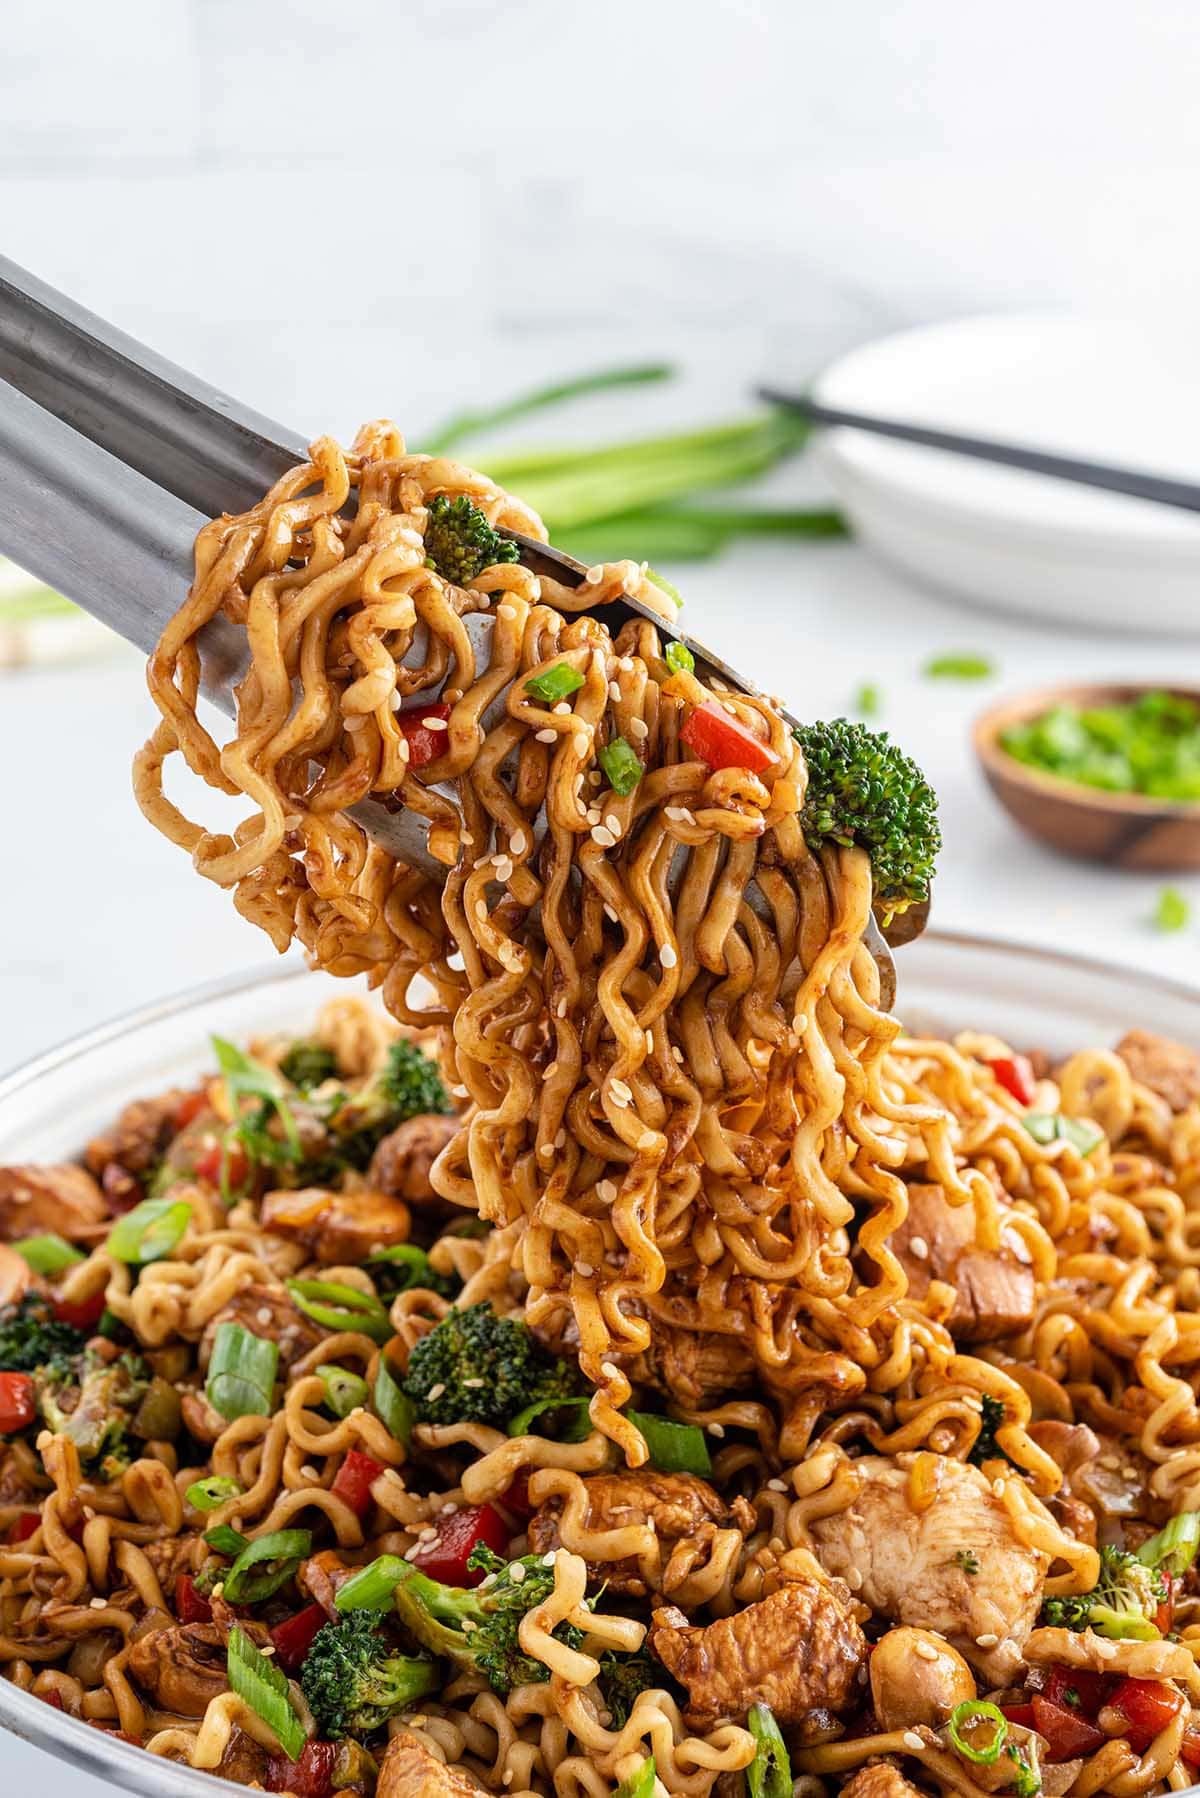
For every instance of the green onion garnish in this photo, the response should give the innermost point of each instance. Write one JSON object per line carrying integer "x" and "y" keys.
{"x": 266, "y": 1564}
{"x": 47, "y": 1254}
{"x": 344, "y": 1391}
{"x": 393, "y": 1404}
{"x": 621, "y": 767}
{"x": 678, "y": 656}
{"x": 672, "y": 1447}
{"x": 263, "y": 1686}
{"x": 1149, "y": 745}
{"x": 371, "y": 1589}
{"x": 226, "y": 1540}
{"x": 967, "y": 1712}
{"x": 148, "y": 1232}
{"x": 338, "y": 1307}
{"x": 1174, "y": 1548}
{"x": 1026, "y": 1783}
{"x": 554, "y": 683}
{"x": 769, "y": 1774}
{"x": 210, "y": 1493}
{"x": 867, "y": 701}
{"x": 241, "y": 1372}
{"x": 1046, "y": 1127}
{"x": 246, "y": 1078}
{"x": 959, "y": 667}
{"x": 1172, "y": 911}
{"x": 640, "y": 1784}
{"x": 519, "y": 1425}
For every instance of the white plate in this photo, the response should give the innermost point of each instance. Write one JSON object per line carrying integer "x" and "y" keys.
{"x": 1109, "y": 391}
{"x": 49, "y": 1108}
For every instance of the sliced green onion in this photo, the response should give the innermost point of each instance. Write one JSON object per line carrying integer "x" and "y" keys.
{"x": 1172, "y": 912}
{"x": 1174, "y": 1547}
{"x": 262, "y": 1685}
{"x": 150, "y": 1231}
{"x": 959, "y": 667}
{"x": 371, "y": 1588}
{"x": 417, "y": 1268}
{"x": 867, "y": 701}
{"x": 393, "y": 1404}
{"x": 640, "y": 1784}
{"x": 338, "y": 1307}
{"x": 1121, "y": 1626}
{"x": 241, "y": 1372}
{"x": 1046, "y": 1127}
{"x": 266, "y": 1564}
{"x": 554, "y": 683}
{"x": 210, "y": 1493}
{"x": 672, "y": 1447}
{"x": 769, "y": 1774}
{"x": 226, "y": 1540}
{"x": 246, "y": 1078}
{"x": 48, "y": 1254}
{"x": 1026, "y": 1783}
{"x": 621, "y": 767}
{"x": 665, "y": 586}
{"x": 678, "y": 656}
{"x": 967, "y": 1712}
{"x": 519, "y": 1425}
{"x": 344, "y": 1391}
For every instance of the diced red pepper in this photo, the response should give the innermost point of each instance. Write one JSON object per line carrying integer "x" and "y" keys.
{"x": 1148, "y": 1705}
{"x": 84, "y": 1314}
{"x": 208, "y": 1165}
{"x": 189, "y": 1108}
{"x": 1189, "y": 1748}
{"x": 444, "y": 1556}
{"x": 18, "y": 1405}
{"x": 190, "y": 1606}
{"x": 53, "y": 1697}
{"x": 295, "y": 1636}
{"x": 1077, "y": 1689}
{"x": 1015, "y": 1074}
{"x": 309, "y": 1777}
{"x": 1020, "y": 1714}
{"x": 424, "y": 745}
{"x": 1164, "y": 1616}
{"x": 354, "y": 1479}
{"x": 515, "y": 1498}
{"x": 1067, "y": 1733}
{"x": 22, "y": 1527}
{"x": 720, "y": 740}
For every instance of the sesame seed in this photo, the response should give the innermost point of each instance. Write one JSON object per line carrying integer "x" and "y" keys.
{"x": 560, "y": 1139}
{"x": 436, "y": 1392}
{"x": 1129, "y": 1471}
{"x": 562, "y": 709}
{"x": 621, "y": 1092}
{"x": 606, "y": 1190}
{"x": 593, "y": 779}
{"x": 584, "y": 1269}
{"x": 547, "y": 735}
{"x": 647, "y": 1140}
{"x": 611, "y": 914}
{"x": 402, "y": 749}
{"x": 594, "y": 576}
{"x": 395, "y": 701}
{"x": 356, "y": 723}
{"x": 309, "y": 1471}
{"x": 506, "y": 611}
{"x": 549, "y": 1558}
{"x": 504, "y": 868}
{"x": 614, "y": 690}
{"x": 920, "y": 1248}
{"x": 593, "y": 814}
{"x": 1111, "y": 1463}
{"x": 475, "y": 1382}
{"x": 639, "y": 728}
{"x": 667, "y": 956}
{"x": 776, "y": 1485}
{"x": 267, "y": 1651}
{"x": 435, "y": 723}
{"x": 613, "y": 823}
{"x": 912, "y": 1740}
{"x": 677, "y": 1052}
{"x": 546, "y": 1151}
{"x": 676, "y": 813}
{"x": 604, "y": 838}
{"x": 927, "y": 1651}
{"x": 609, "y": 1370}
{"x": 998, "y": 1488}
{"x": 716, "y": 1429}
{"x": 88, "y": 1513}
{"x": 580, "y": 743}
{"x": 649, "y": 1042}
{"x": 263, "y": 1314}
{"x": 517, "y": 843}
{"x": 988, "y": 1640}
{"x": 98, "y": 1604}
{"x": 481, "y": 911}
{"x": 853, "y": 1579}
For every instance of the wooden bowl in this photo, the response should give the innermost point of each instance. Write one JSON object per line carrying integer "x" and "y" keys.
{"x": 1126, "y": 830}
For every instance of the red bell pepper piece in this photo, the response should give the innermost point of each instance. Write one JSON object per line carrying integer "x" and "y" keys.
{"x": 444, "y": 1556}
{"x": 1067, "y": 1733}
{"x": 18, "y": 1405}
{"x": 721, "y": 741}
{"x": 1076, "y": 1689}
{"x": 354, "y": 1480}
{"x": 1164, "y": 1617}
{"x": 515, "y": 1498}
{"x": 1147, "y": 1705}
{"x": 189, "y": 1108}
{"x": 1015, "y": 1074}
{"x": 1189, "y": 1748}
{"x": 84, "y": 1314}
{"x": 22, "y": 1527}
{"x": 1020, "y": 1714}
{"x": 295, "y": 1636}
{"x": 424, "y": 745}
{"x": 190, "y": 1605}
{"x": 309, "y": 1777}
{"x": 208, "y": 1165}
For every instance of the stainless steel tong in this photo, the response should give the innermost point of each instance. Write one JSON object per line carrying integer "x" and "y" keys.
{"x": 112, "y": 458}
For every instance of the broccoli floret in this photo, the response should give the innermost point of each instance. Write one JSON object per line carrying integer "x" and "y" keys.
{"x": 352, "y": 1680}
{"x": 478, "y": 1629}
{"x": 477, "y": 1367}
{"x": 624, "y": 1676}
{"x": 92, "y": 1401}
{"x": 32, "y": 1337}
{"x": 1122, "y": 1604}
{"x": 985, "y": 1447}
{"x": 309, "y": 1064}
{"x": 863, "y": 789}
{"x": 460, "y": 543}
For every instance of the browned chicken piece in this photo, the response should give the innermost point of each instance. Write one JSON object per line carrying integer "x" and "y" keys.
{"x": 936, "y": 1241}
{"x": 410, "y": 1770}
{"x": 678, "y": 1505}
{"x": 139, "y": 1136}
{"x": 65, "y": 1200}
{"x": 16, "y": 1275}
{"x": 338, "y": 1228}
{"x": 694, "y": 1370}
{"x": 175, "y": 1555}
{"x": 181, "y": 1668}
{"x": 797, "y": 1650}
{"x": 400, "y": 1165}
{"x": 243, "y": 1760}
{"x": 1168, "y": 1069}
{"x": 879, "y": 1779}
{"x": 907, "y": 1563}
{"x": 265, "y": 1311}
{"x": 321, "y": 1575}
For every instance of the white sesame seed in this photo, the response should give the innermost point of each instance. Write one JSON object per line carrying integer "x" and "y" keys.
{"x": 609, "y": 1370}
{"x": 649, "y": 1042}
{"x": 267, "y": 1651}
{"x": 776, "y": 1485}
{"x": 647, "y": 1140}
{"x": 562, "y": 709}
{"x": 580, "y": 743}
{"x": 98, "y": 1604}
{"x": 677, "y": 1052}
{"x": 395, "y": 701}
{"x": 853, "y": 1579}
{"x": 667, "y": 956}
{"x": 716, "y": 1429}
{"x": 606, "y": 1191}
{"x": 481, "y": 911}
{"x": 998, "y": 1488}
{"x": 263, "y": 1314}
{"x": 309, "y": 1471}
{"x": 218, "y": 1589}
{"x": 517, "y": 843}
{"x": 546, "y": 736}
{"x": 546, "y": 1151}
{"x": 584, "y": 1269}
{"x": 604, "y": 838}
{"x": 1111, "y": 1463}
{"x": 621, "y": 1091}
{"x": 402, "y": 749}
{"x": 1129, "y": 1471}
{"x": 626, "y": 665}
{"x": 436, "y": 1392}
{"x": 639, "y": 728}
{"x": 475, "y": 1382}
{"x": 355, "y": 723}
{"x": 613, "y": 823}
{"x": 614, "y": 690}
{"x": 592, "y": 814}
{"x": 504, "y": 868}
{"x": 435, "y": 724}
{"x": 506, "y": 611}
{"x": 611, "y": 914}
{"x": 912, "y": 1740}
{"x": 676, "y": 813}
{"x": 594, "y": 576}
{"x": 920, "y": 1248}
{"x": 927, "y": 1651}
{"x": 560, "y": 1139}
{"x": 988, "y": 1640}
{"x": 88, "y": 1513}
{"x": 549, "y": 1558}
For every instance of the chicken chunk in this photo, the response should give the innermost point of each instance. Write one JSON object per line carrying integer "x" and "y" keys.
{"x": 400, "y": 1165}
{"x": 879, "y": 1779}
{"x": 1169, "y": 1069}
{"x": 410, "y": 1770}
{"x": 936, "y": 1241}
{"x": 265, "y": 1311}
{"x": 677, "y": 1505}
{"x": 65, "y": 1200}
{"x": 338, "y": 1228}
{"x": 907, "y": 1564}
{"x": 16, "y": 1276}
{"x": 797, "y": 1650}
{"x": 139, "y": 1136}
{"x": 181, "y": 1668}
{"x": 691, "y": 1369}
{"x": 321, "y": 1575}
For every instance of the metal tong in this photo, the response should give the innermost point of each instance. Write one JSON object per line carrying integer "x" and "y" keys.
{"x": 111, "y": 460}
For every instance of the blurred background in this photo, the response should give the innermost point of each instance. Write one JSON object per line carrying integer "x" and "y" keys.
{"x": 416, "y": 209}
